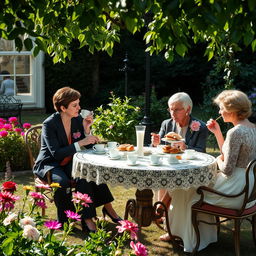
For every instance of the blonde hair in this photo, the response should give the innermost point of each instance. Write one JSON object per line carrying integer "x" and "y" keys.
{"x": 182, "y": 97}
{"x": 235, "y": 101}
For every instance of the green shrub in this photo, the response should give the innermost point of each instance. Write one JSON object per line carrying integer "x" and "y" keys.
{"x": 116, "y": 122}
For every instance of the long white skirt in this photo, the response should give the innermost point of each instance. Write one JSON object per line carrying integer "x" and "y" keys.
{"x": 182, "y": 200}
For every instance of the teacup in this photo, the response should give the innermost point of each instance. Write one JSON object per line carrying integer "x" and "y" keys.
{"x": 189, "y": 153}
{"x": 113, "y": 153}
{"x": 99, "y": 147}
{"x": 84, "y": 113}
{"x": 155, "y": 159}
{"x": 112, "y": 144}
{"x": 132, "y": 158}
{"x": 172, "y": 159}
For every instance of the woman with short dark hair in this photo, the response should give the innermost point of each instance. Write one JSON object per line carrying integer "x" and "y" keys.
{"x": 63, "y": 134}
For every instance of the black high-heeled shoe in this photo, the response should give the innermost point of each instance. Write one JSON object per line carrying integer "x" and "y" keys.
{"x": 105, "y": 212}
{"x": 85, "y": 228}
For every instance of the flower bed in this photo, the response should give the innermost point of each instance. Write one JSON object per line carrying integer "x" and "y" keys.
{"x": 12, "y": 144}
{"x": 28, "y": 233}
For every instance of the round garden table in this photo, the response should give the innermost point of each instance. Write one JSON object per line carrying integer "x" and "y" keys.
{"x": 100, "y": 168}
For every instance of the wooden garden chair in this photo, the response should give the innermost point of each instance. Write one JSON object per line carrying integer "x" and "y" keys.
{"x": 33, "y": 143}
{"x": 227, "y": 214}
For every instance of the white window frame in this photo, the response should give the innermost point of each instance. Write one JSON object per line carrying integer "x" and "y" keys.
{"x": 34, "y": 99}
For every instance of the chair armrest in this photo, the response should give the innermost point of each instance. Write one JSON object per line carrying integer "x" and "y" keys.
{"x": 203, "y": 189}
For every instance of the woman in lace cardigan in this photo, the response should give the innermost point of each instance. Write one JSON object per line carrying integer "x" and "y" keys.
{"x": 237, "y": 150}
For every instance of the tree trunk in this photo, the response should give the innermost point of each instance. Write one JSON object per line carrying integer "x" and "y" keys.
{"x": 8, "y": 171}
{"x": 95, "y": 73}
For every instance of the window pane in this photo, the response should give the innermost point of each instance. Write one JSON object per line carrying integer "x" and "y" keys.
{"x": 22, "y": 64}
{"x": 22, "y": 84}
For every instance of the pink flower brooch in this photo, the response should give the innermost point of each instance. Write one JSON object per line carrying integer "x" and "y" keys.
{"x": 76, "y": 135}
{"x": 195, "y": 126}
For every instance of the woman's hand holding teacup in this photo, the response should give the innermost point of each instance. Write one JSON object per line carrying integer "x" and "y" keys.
{"x": 213, "y": 126}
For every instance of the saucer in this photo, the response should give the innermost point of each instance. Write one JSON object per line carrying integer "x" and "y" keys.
{"x": 155, "y": 164}
{"x": 99, "y": 152}
{"x": 174, "y": 163}
{"x": 115, "y": 158}
{"x": 131, "y": 164}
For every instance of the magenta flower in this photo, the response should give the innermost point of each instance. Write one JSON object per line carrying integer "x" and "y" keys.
{"x": 128, "y": 226}
{"x": 13, "y": 119}
{"x": 83, "y": 199}
{"x": 2, "y": 120}
{"x": 195, "y": 126}
{"x": 53, "y": 224}
{"x": 22, "y": 133}
{"x": 139, "y": 249}
{"x": 73, "y": 215}
{"x": 3, "y": 134}
{"x": 76, "y": 135}
{"x": 36, "y": 195}
{"x": 6, "y": 197}
{"x": 41, "y": 204}
{"x": 7, "y": 127}
{"x": 26, "y": 125}
{"x": 18, "y": 130}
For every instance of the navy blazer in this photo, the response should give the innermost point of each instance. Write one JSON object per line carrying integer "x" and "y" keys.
{"x": 54, "y": 143}
{"x": 193, "y": 139}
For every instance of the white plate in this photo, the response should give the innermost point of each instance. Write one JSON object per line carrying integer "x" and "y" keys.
{"x": 174, "y": 163}
{"x": 130, "y": 164}
{"x": 99, "y": 152}
{"x": 184, "y": 161}
{"x": 170, "y": 141}
{"x": 115, "y": 158}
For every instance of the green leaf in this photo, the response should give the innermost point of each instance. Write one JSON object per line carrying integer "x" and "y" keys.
{"x": 18, "y": 44}
{"x": 169, "y": 56}
{"x": 181, "y": 49}
{"x": 131, "y": 24}
{"x": 28, "y": 44}
{"x": 253, "y": 45}
{"x": 248, "y": 37}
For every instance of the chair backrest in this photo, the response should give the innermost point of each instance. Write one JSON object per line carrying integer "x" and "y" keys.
{"x": 33, "y": 142}
{"x": 250, "y": 174}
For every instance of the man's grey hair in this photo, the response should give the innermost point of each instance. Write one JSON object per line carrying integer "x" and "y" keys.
{"x": 182, "y": 97}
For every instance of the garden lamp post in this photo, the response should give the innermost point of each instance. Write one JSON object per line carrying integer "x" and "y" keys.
{"x": 125, "y": 69}
{"x": 146, "y": 119}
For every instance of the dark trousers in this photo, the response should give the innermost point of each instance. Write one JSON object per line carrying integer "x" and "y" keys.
{"x": 63, "y": 195}
{"x": 99, "y": 194}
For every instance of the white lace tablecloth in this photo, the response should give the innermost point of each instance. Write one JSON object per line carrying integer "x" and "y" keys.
{"x": 187, "y": 173}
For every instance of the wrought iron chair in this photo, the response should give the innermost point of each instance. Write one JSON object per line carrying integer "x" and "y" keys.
{"x": 33, "y": 143}
{"x": 227, "y": 214}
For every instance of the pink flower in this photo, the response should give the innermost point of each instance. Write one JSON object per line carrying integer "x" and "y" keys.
{"x": 27, "y": 221}
{"x": 2, "y": 120}
{"x": 26, "y": 125}
{"x": 3, "y": 133}
{"x": 7, "y": 197}
{"x": 22, "y": 133}
{"x": 7, "y": 127}
{"x": 128, "y": 226}
{"x": 53, "y": 224}
{"x": 41, "y": 204}
{"x": 31, "y": 233}
{"x": 195, "y": 126}
{"x": 18, "y": 130}
{"x": 76, "y": 135}
{"x": 84, "y": 199}
{"x": 13, "y": 119}
{"x": 43, "y": 186}
{"x": 139, "y": 249}
{"x": 111, "y": 126}
{"x": 36, "y": 195}
{"x": 73, "y": 215}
